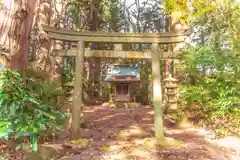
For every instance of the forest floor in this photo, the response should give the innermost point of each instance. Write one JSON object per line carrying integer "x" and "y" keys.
{"x": 127, "y": 134}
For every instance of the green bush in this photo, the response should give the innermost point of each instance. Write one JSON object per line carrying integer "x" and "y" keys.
{"x": 26, "y": 110}
{"x": 214, "y": 86}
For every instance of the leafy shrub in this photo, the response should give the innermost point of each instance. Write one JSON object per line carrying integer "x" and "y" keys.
{"x": 47, "y": 91}
{"x": 26, "y": 113}
{"x": 213, "y": 89}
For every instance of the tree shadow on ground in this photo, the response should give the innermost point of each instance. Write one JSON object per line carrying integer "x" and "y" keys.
{"x": 127, "y": 133}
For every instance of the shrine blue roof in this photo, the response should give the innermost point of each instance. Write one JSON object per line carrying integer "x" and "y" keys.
{"x": 121, "y": 71}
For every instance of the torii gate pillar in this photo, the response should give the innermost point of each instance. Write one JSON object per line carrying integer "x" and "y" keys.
{"x": 157, "y": 91}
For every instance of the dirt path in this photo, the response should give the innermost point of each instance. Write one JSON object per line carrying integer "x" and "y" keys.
{"x": 127, "y": 134}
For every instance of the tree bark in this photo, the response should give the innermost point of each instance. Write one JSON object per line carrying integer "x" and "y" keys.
{"x": 43, "y": 17}
{"x": 52, "y": 13}
{"x": 15, "y": 26}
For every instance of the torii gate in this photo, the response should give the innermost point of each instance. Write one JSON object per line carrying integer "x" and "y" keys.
{"x": 116, "y": 38}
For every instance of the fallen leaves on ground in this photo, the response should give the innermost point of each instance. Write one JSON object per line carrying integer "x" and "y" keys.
{"x": 128, "y": 134}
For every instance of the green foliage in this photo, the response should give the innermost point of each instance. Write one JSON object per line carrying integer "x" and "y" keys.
{"x": 102, "y": 12}
{"x": 210, "y": 69}
{"x": 69, "y": 70}
{"x": 146, "y": 85}
{"x": 213, "y": 88}
{"x": 76, "y": 12}
{"x": 27, "y": 111}
{"x": 48, "y": 92}
{"x": 186, "y": 11}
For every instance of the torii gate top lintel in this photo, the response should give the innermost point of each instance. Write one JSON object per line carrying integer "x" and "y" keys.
{"x": 111, "y": 37}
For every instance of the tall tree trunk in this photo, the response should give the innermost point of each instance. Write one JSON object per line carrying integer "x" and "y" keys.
{"x": 59, "y": 18}
{"x": 52, "y": 13}
{"x": 43, "y": 17}
{"x": 92, "y": 64}
{"x": 15, "y": 26}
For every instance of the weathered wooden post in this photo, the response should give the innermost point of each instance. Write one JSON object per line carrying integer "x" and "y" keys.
{"x": 77, "y": 106}
{"x": 157, "y": 91}
{"x": 110, "y": 93}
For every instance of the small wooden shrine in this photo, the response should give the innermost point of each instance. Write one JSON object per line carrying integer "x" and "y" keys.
{"x": 123, "y": 78}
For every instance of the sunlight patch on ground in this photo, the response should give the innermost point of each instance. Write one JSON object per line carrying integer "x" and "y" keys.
{"x": 173, "y": 131}
{"x": 108, "y": 117}
{"x": 151, "y": 113}
{"x": 79, "y": 143}
{"x": 142, "y": 147}
{"x": 229, "y": 142}
{"x": 146, "y": 118}
{"x": 132, "y": 131}
{"x": 202, "y": 132}
{"x": 166, "y": 142}
{"x": 127, "y": 149}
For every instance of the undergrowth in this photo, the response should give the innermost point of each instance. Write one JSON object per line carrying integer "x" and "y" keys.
{"x": 222, "y": 115}
{"x": 28, "y": 110}
{"x": 210, "y": 91}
